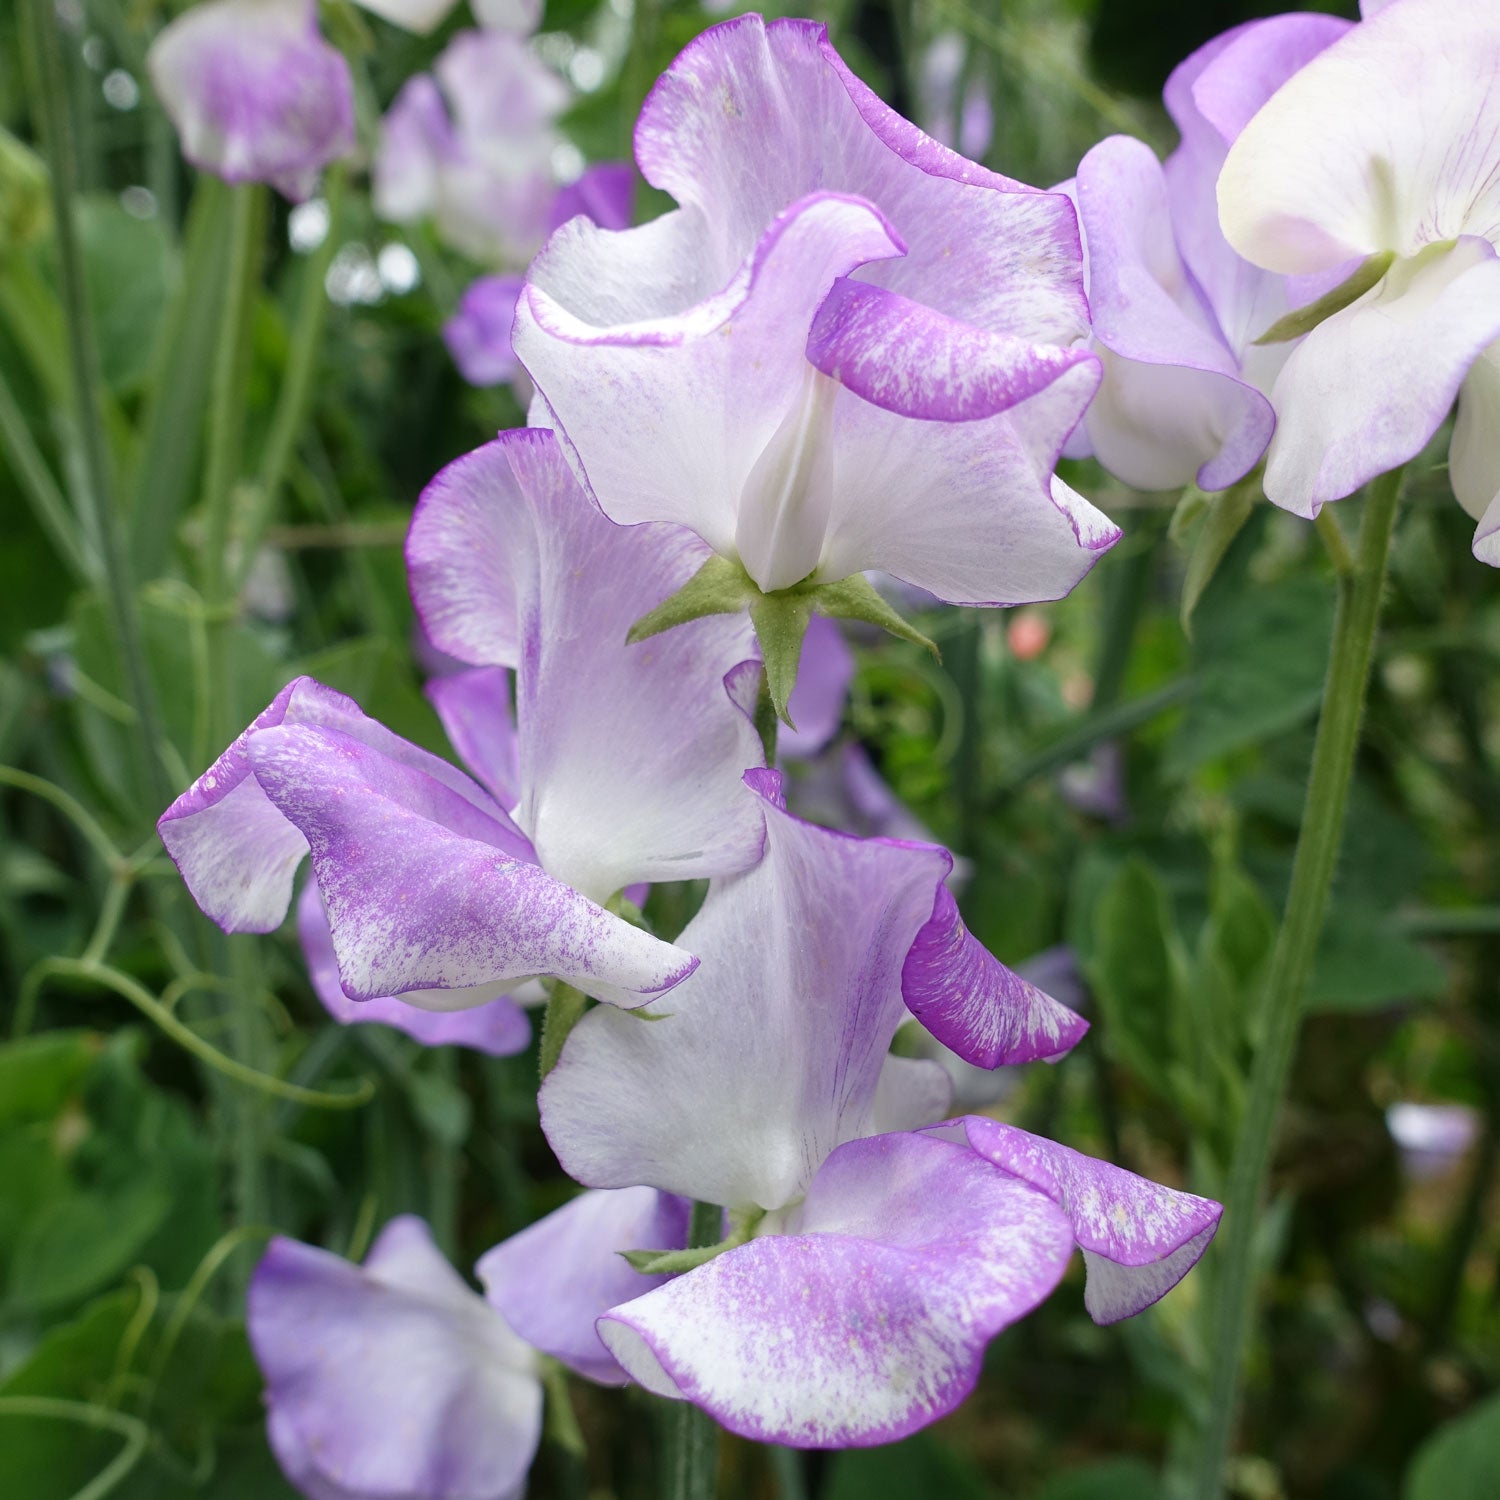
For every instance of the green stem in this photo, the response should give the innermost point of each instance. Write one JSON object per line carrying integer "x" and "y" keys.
{"x": 35, "y": 481}
{"x": 102, "y": 519}
{"x": 692, "y": 1435}
{"x": 565, "y": 1008}
{"x": 297, "y": 378}
{"x": 1291, "y": 964}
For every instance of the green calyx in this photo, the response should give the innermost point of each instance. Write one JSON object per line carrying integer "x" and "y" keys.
{"x": 1305, "y": 319}
{"x": 781, "y": 617}
{"x": 674, "y": 1262}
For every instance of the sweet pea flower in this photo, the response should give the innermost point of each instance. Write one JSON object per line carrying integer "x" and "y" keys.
{"x": 849, "y": 348}
{"x": 875, "y": 1261}
{"x": 1405, "y": 198}
{"x": 1176, "y": 312}
{"x": 439, "y": 888}
{"x": 255, "y": 92}
{"x": 394, "y": 1378}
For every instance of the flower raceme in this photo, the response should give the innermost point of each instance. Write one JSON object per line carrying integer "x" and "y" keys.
{"x": 848, "y": 348}
{"x": 440, "y": 888}
{"x": 881, "y": 1257}
{"x": 1408, "y": 200}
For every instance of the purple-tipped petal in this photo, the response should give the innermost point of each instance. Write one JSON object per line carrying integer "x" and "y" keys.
{"x": 750, "y": 117}
{"x": 553, "y": 1280}
{"x": 973, "y": 1004}
{"x": 771, "y": 1054}
{"x": 478, "y": 333}
{"x": 1173, "y": 406}
{"x": 1139, "y": 1239}
{"x": 477, "y": 717}
{"x": 255, "y": 93}
{"x": 824, "y": 673}
{"x": 492, "y": 1023}
{"x": 391, "y": 1379}
{"x": 238, "y": 853}
{"x": 869, "y": 1321}
{"x": 629, "y": 755}
{"x": 423, "y": 895}
{"x": 1368, "y": 387}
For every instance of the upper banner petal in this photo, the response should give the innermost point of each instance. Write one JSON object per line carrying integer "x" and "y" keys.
{"x": 871, "y": 1319}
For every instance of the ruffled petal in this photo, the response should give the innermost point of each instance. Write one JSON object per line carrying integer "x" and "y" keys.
{"x": 1368, "y": 387}
{"x": 478, "y": 333}
{"x": 553, "y": 1280}
{"x": 629, "y": 755}
{"x": 491, "y": 1022}
{"x": 423, "y": 896}
{"x": 1379, "y": 178}
{"x": 771, "y": 1054}
{"x": 869, "y": 1321}
{"x": 750, "y": 117}
{"x": 669, "y": 415}
{"x": 1173, "y": 406}
{"x": 237, "y": 852}
{"x": 1139, "y": 1239}
{"x": 392, "y": 1378}
{"x": 255, "y": 93}
{"x": 973, "y": 1004}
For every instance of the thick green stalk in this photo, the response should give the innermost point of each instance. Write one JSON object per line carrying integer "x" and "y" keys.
{"x": 692, "y": 1457}
{"x": 1313, "y": 868}
{"x": 101, "y": 518}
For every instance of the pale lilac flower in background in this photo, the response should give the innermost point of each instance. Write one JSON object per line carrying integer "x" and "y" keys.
{"x": 255, "y": 92}
{"x": 849, "y": 348}
{"x": 391, "y": 1378}
{"x": 439, "y": 888}
{"x": 1176, "y": 312}
{"x": 395, "y": 1379}
{"x": 882, "y": 1261}
{"x": 1432, "y": 1138}
{"x": 470, "y": 146}
{"x": 955, "y": 111}
{"x": 1387, "y": 143}
{"x": 478, "y": 333}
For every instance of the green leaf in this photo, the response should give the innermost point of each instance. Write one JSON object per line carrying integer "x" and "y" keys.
{"x": 1461, "y": 1460}
{"x": 1305, "y": 319}
{"x": 129, "y": 265}
{"x": 441, "y": 1107}
{"x": 40, "y": 1074}
{"x": 921, "y": 1466}
{"x": 1364, "y": 963}
{"x": 1225, "y": 518}
{"x": 1115, "y": 1479}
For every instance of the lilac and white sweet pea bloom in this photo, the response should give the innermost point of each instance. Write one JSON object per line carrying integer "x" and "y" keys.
{"x": 431, "y": 890}
{"x": 628, "y": 758}
{"x": 884, "y": 1259}
{"x": 1175, "y": 311}
{"x": 1370, "y": 385}
{"x": 255, "y": 92}
{"x": 391, "y": 1378}
{"x": 849, "y": 348}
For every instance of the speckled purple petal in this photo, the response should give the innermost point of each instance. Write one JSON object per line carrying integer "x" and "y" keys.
{"x": 553, "y": 1280}
{"x": 750, "y": 117}
{"x": 422, "y": 893}
{"x": 771, "y": 1054}
{"x": 490, "y": 1022}
{"x": 868, "y": 1321}
{"x": 475, "y": 708}
{"x": 255, "y": 92}
{"x": 238, "y": 853}
{"x": 1173, "y": 406}
{"x": 973, "y": 1004}
{"x": 1139, "y": 1239}
{"x": 391, "y": 1379}
{"x": 824, "y": 673}
{"x": 478, "y": 333}
{"x": 629, "y": 755}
